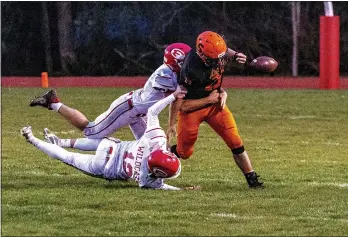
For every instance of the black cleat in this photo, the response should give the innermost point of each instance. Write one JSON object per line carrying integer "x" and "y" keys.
{"x": 252, "y": 179}
{"x": 45, "y": 100}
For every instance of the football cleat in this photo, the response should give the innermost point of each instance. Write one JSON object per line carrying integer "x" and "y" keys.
{"x": 252, "y": 179}
{"x": 27, "y": 133}
{"x": 50, "y": 137}
{"x": 45, "y": 100}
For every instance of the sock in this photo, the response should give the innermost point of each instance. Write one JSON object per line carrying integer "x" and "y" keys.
{"x": 56, "y": 106}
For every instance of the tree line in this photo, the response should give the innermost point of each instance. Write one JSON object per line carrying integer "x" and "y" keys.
{"x": 128, "y": 38}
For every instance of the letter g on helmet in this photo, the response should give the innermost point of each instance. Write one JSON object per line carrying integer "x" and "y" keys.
{"x": 175, "y": 54}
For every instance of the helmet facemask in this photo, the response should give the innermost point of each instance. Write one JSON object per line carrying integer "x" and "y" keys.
{"x": 214, "y": 62}
{"x": 164, "y": 164}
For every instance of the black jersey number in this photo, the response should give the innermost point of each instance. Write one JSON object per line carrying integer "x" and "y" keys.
{"x": 216, "y": 78}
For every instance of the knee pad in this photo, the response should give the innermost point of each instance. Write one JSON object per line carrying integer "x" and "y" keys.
{"x": 237, "y": 151}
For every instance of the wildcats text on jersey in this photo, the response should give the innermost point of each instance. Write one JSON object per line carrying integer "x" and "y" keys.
{"x": 137, "y": 165}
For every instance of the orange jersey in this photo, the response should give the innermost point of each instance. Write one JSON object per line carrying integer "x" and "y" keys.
{"x": 198, "y": 78}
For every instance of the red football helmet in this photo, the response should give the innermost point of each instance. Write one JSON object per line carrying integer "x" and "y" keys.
{"x": 164, "y": 164}
{"x": 174, "y": 55}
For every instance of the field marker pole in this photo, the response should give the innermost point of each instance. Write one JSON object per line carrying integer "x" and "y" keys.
{"x": 44, "y": 79}
{"x": 329, "y": 49}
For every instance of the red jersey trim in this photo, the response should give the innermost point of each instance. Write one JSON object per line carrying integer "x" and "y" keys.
{"x": 153, "y": 129}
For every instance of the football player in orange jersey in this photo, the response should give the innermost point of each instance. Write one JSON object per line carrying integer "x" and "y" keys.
{"x": 201, "y": 75}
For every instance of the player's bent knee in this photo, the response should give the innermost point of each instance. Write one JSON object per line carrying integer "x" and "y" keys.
{"x": 186, "y": 154}
{"x": 181, "y": 153}
{"x": 238, "y": 150}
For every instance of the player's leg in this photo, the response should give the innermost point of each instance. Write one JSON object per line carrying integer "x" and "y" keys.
{"x": 138, "y": 127}
{"x": 84, "y": 144}
{"x": 90, "y": 164}
{"x": 51, "y": 101}
{"x": 73, "y": 116}
{"x": 224, "y": 124}
{"x": 117, "y": 116}
{"x": 187, "y": 132}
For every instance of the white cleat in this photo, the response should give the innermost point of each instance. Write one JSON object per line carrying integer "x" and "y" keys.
{"x": 50, "y": 137}
{"x": 27, "y": 133}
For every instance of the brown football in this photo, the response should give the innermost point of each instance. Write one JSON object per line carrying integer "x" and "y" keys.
{"x": 264, "y": 64}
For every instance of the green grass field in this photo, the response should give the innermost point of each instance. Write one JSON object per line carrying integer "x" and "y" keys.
{"x": 297, "y": 141}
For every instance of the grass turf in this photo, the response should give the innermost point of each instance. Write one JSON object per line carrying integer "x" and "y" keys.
{"x": 297, "y": 141}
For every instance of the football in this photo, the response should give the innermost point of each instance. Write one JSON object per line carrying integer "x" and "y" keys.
{"x": 264, "y": 64}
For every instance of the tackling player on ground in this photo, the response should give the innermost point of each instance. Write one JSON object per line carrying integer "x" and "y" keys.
{"x": 202, "y": 74}
{"x": 129, "y": 109}
{"x": 147, "y": 160}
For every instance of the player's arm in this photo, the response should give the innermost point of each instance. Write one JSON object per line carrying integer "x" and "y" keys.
{"x": 190, "y": 105}
{"x": 162, "y": 186}
{"x": 169, "y": 187}
{"x": 238, "y": 57}
{"x": 154, "y": 110}
{"x": 164, "y": 82}
{"x": 222, "y": 97}
{"x": 173, "y": 111}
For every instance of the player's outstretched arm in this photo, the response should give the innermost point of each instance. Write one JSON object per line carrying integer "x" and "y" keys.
{"x": 173, "y": 111}
{"x": 169, "y": 187}
{"x": 173, "y": 188}
{"x": 154, "y": 110}
{"x": 238, "y": 57}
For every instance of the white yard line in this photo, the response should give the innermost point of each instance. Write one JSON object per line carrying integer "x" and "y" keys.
{"x": 42, "y": 173}
{"x": 341, "y": 185}
{"x": 35, "y": 131}
{"x": 292, "y": 117}
{"x": 328, "y": 143}
{"x": 245, "y": 217}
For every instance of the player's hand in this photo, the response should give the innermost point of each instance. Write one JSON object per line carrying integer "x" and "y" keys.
{"x": 195, "y": 187}
{"x": 171, "y": 132}
{"x": 214, "y": 97}
{"x": 240, "y": 58}
{"x": 223, "y": 98}
{"x": 180, "y": 92}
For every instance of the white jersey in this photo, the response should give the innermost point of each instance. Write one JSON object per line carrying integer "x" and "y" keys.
{"x": 160, "y": 84}
{"x": 128, "y": 160}
{"x": 129, "y": 108}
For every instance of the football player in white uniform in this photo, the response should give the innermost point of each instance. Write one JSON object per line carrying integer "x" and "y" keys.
{"x": 129, "y": 109}
{"x": 147, "y": 160}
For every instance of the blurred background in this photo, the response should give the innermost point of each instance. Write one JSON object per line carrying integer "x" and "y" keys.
{"x": 128, "y": 38}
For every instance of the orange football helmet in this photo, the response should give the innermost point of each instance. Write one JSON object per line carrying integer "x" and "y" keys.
{"x": 211, "y": 48}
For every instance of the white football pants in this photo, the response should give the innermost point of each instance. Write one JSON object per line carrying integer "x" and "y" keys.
{"x": 120, "y": 113}
{"x": 90, "y": 164}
